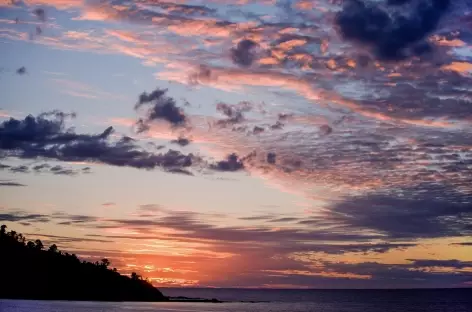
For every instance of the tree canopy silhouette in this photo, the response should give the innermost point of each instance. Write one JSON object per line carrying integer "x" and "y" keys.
{"x": 28, "y": 271}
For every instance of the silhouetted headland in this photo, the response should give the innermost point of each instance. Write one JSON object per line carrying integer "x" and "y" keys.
{"x": 28, "y": 271}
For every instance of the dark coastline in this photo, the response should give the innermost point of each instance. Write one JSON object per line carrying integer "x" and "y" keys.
{"x": 30, "y": 271}
{"x": 61, "y": 276}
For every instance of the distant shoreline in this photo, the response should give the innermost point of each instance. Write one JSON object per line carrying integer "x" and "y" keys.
{"x": 188, "y": 299}
{"x": 170, "y": 299}
{"x": 313, "y": 289}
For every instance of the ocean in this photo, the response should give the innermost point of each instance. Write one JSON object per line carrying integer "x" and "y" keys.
{"x": 272, "y": 300}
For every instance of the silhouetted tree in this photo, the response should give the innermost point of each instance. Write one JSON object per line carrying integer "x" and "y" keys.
{"x": 39, "y": 244}
{"x": 21, "y": 239}
{"x": 3, "y": 230}
{"x": 53, "y": 248}
{"x": 135, "y": 276}
{"x": 105, "y": 263}
{"x": 13, "y": 235}
{"x": 30, "y": 245}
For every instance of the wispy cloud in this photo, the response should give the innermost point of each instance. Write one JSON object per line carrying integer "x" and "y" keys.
{"x": 80, "y": 89}
{"x": 10, "y": 183}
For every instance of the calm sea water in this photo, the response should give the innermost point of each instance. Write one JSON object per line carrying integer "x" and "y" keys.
{"x": 457, "y": 300}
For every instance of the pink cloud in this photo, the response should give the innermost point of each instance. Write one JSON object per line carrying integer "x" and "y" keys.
{"x": 60, "y": 4}
{"x": 4, "y": 114}
{"x": 463, "y": 68}
{"x": 201, "y": 28}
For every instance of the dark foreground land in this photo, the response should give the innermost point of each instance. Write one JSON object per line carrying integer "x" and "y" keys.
{"x": 28, "y": 271}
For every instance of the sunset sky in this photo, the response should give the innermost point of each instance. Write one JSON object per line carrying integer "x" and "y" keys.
{"x": 254, "y": 143}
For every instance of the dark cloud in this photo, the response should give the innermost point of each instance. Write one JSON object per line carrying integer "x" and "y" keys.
{"x": 159, "y": 107}
{"x": 234, "y": 113}
{"x": 392, "y": 33}
{"x": 20, "y": 169}
{"x": 257, "y": 218}
{"x": 463, "y": 244}
{"x": 397, "y": 275}
{"x": 39, "y": 130}
{"x": 326, "y": 129}
{"x": 108, "y": 131}
{"x": 439, "y": 212}
{"x": 426, "y": 98}
{"x": 271, "y": 158}
{"x": 175, "y": 160}
{"x": 59, "y": 170}
{"x": 231, "y": 163}
{"x": 40, "y": 14}
{"x": 61, "y": 217}
{"x": 10, "y": 183}
{"x": 179, "y": 171}
{"x": 257, "y": 130}
{"x": 284, "y": 116}
{"x": 24, "y": 216}
{"x": 67, "y": 239}
{"x": 277, "y": 126}
{"x": 182, "y": 141}
{"x": 243, "y": 54}
{"x": 46, "y": 136}
{"x": 149, "y": 97}
{"x": 41, "y": 167}
{"x": 452, "y": 263}
{"x": 21, "y": 70}
{"x": 285, "y": 219}
{"x": 202, "y": 74}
